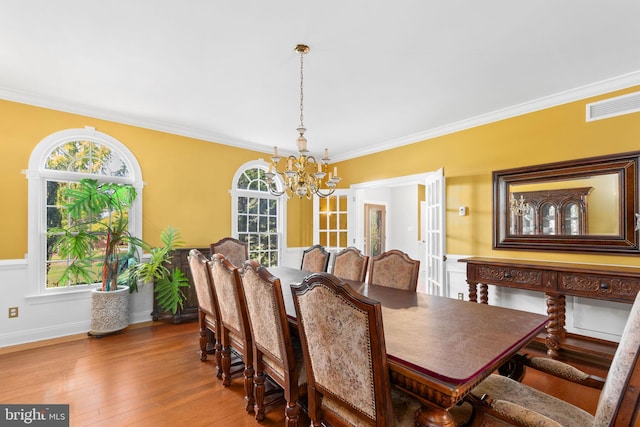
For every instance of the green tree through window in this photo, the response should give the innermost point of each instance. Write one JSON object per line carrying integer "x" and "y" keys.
{"x": 77, "y": 159}
{"x": 257, "y": 217}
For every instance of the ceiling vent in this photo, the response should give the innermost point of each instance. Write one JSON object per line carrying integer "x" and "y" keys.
{"x": 612, "y": 107}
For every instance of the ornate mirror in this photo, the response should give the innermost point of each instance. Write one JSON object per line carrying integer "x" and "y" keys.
{"x": 585, "y": 205}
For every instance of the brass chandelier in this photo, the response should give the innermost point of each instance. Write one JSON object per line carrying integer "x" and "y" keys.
{"x": 302, "y": 175}
{"x": 518, "y": 206}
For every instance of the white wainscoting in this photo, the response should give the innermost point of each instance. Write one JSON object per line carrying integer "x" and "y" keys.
{"x": 43, "y": 318}
{"x": 594, "y": 318}
{"x": 40, "y": 319}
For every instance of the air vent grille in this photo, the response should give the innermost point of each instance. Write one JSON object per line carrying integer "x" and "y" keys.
{"x": 612, "y": 107}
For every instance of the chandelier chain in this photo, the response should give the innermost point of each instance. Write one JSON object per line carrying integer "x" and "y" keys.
{"x": 301, "y": 89}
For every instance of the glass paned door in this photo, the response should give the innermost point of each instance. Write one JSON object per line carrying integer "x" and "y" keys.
{"x": 435, "y": 233}
{"x": 331, "y": 221}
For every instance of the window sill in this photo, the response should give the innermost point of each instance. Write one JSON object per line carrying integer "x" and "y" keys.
{"x": 60, "y": 295}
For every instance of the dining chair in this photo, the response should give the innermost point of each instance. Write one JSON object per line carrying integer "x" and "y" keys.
{"x": 394, "y": 269}
{"x": 503, "y": 401}
{"x": 349, "y": 379}
{"x": 235, "y": 333}
{"x": 350, "y": 264}
{"x": 234, "y": 250}
{"x": 315, "y": 259}
{"x": 208, "y": 318}
{"x": 276, "y": 353}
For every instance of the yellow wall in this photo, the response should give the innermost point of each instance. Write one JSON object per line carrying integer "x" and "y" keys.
{"x": 470, "y": 156}
{"x": 187, "y": 180}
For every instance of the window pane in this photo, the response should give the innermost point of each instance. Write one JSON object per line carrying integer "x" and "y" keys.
{"x": 258, "y": 217}
{"x": 86, "y": 157}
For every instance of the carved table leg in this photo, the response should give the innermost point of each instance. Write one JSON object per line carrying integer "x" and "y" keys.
{"x": 473, "y": 291}
{"x": 484, "y": 293}
{"x": 556, "y": 309}
{"x": 432, "y": 416}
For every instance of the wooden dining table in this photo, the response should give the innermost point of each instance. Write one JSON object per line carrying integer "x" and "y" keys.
{"x": 438, "y": 348}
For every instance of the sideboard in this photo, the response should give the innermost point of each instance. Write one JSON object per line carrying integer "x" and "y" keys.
{"x": 557, "y": 280}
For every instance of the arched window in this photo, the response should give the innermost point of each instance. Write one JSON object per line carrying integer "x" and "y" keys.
{"x": 59, "y": 161}
{"x": 258, "y": 216}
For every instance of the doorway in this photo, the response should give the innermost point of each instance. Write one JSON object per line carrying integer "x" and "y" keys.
{"x": 375, "y": 229}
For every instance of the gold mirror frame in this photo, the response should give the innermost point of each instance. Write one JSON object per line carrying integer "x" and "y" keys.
{"x": 626, "y": 241}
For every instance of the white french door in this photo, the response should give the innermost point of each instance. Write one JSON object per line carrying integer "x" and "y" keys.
{"x": 331, "y": 220}
{"x": 434, "y": 233}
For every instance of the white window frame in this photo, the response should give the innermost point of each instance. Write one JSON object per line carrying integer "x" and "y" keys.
{"x": 37, "y": 176}
{"x": 282, "y": 212}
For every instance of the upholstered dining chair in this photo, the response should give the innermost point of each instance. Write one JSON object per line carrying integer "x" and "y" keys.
{"x": 350, "y": 264}
{"x": 315, "y": 259}
{"x": 394, "y": 269}
{"x": 235, "y": 251}
{"x": 506, "y": 402}
{"x": 276, "y": 353}
{"x": 349, "y": 379}
{"x": 208, "y": 318}
{"x": 235, "y": 333}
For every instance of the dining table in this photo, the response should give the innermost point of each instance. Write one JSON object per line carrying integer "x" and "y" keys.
{"x": 438, "y": 348}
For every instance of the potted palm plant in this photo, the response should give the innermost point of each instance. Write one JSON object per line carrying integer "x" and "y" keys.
{"x": 99, "y": 247}
{"x": 167, "y": 282}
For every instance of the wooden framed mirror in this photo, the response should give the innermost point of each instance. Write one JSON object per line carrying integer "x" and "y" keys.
{"x": 585, "y": 205}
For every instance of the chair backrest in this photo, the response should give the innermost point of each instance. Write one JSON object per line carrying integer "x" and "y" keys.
{"x": 348, "y": 379}
{"x": 350, "y": 264}
{"x": 199, "y": 265}
{"x": 228, "y": 292}
{"x": 269, "y": 326}
{"x": 315, "y": 259}
{"x": 235, "y": 251}
{"x": 394, "y": 269}
{"x": 620, "y": 396}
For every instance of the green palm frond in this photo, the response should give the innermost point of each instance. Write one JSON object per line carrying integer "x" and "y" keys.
{"x": 168, "y": 291}
{"x": 170, "y": 237}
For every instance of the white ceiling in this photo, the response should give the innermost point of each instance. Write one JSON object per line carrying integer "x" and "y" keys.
{"x": 379, "y": 74}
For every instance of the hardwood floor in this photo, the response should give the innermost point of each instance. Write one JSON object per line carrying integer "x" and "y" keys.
{"x": 151, "y": 375}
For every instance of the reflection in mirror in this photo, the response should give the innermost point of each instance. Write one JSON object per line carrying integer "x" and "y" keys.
{"x": 585, "y": 205}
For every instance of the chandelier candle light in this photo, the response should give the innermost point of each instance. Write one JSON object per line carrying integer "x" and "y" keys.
{"x": 303, "y": 175}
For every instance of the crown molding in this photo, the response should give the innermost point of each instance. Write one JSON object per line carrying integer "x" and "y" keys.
{"x": 571, "y": 95}
{"x": 582, "y": 92}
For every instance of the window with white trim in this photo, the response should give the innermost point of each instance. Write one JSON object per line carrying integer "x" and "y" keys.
{"x": 257, "y": 214}
{"x": 60, "y": 161}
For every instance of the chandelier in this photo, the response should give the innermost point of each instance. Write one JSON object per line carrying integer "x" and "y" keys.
{"x": 302, "y": 175}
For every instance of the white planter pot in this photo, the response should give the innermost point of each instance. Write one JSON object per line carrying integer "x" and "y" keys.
{"x": 109, "y": 311}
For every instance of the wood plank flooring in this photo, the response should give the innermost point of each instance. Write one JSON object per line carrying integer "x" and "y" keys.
{"x": 151, "y": 375}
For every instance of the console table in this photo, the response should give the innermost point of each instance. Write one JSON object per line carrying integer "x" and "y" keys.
{"x": 557, "y": 280}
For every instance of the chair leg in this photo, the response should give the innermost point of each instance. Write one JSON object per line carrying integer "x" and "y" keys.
{"x": 219, "y": 359}
{"x": 291, "y": 412}
{"x": 248, "y": 388}
{"x": 225, "y": 354}
{"x": 203, "y": 339}
{"x": 258, "y": 382}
